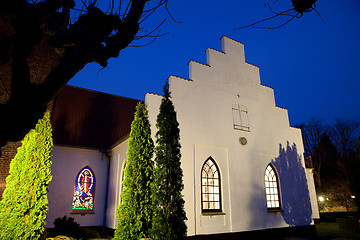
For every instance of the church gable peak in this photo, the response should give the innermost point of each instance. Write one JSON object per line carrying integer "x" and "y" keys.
{"x": 226, "y": 68}
{"x": 232, "y": 47}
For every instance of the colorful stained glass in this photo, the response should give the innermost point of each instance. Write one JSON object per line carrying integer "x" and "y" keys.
{"x": 84, "y": 190}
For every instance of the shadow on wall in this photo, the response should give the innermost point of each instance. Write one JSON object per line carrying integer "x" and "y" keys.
{"x": 294, "y": 189}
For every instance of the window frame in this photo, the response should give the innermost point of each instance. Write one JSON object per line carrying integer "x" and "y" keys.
{"x": 239, "y": 112}
{"x": 209, "y": 211}
{"x": 278, "y": 188}
{"x": 83, "y": 211}
{"x": 122, "y": 176}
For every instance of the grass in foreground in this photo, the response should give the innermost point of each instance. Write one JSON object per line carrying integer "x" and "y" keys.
{"x": 336, "y": 232}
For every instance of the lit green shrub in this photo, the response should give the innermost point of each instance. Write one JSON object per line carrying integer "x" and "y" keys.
{"x": 24, "y": 204}
{"x": 169, "y": 213}
{"x": 135, "y": 210}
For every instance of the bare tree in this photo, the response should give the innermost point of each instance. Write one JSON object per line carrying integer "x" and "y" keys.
{"x": 314, "y": 134}
{"x": 331, "y": 149}
{"x": 74, "y": 34}
{"x": 355, "y": 175}
{"x": 297, "y": 11}
{"x": 343, "y": 137}
{"x": 339, "y": 181}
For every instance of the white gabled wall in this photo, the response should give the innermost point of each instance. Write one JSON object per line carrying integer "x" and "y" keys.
{"x": 117, "y": 163}
{"x": 204, "y": 111}
{"x": 66, "y": 164}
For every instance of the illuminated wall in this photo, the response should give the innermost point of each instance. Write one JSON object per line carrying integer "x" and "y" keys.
{"x": 66, "y": 164}
{"x": 225, "y": 113}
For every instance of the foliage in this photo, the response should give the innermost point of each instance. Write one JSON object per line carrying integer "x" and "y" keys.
{"x": 67, "y": 227}
{"x": 336, "y": 198}
{"x": 315, "y": 141}
{"x": 135, "y": 210}
{"x": 336, "y": 233}
{"x": 45, "y": 43}
{"x": 331, "y": 148}
{"x": 342, "y": 135}
{"x": 169, "y": 216}
{"x": 24, "y": 203}
{"x": 349, "y": 223}
{"x": 297, "y": 11}
{"x": 355, "y": 175}
{"x": 61, "y": 238}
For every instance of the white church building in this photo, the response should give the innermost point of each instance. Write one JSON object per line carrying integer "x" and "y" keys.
{"x": 243, "y": 165}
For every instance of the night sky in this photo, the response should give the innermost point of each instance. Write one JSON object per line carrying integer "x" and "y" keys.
{"x": 313, "y": 65}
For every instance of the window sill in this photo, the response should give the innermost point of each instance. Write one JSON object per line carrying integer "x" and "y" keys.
{"x": 275, "y": 210}
{"x": 82, "y": 212}
{"x": 213, "y": 213}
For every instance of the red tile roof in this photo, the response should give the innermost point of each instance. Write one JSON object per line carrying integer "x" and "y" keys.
{"x": 91, "y": 119}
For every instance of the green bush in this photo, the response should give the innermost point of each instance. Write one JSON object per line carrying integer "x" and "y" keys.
{"x": 169, "y": 213}
{"x": 350, "y": 223}
{"x": 134, "y": 213}
{"x": 89, "y": 233}
{"x": 67, "y": 227}
{"x": 23, "y": 207}
{"x": 61, "y": 238}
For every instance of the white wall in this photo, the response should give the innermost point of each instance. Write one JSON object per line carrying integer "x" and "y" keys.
{"x": 66, "y": 163}
{"x": 312, "y": 190}
{"x": 118, "y": 158}
{"x": 204, "y": 111}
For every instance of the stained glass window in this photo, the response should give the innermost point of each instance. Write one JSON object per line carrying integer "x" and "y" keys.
{"x": 272, "y": 188}
{"x": 210, "y": 187}
{"x": 84, "y": 190}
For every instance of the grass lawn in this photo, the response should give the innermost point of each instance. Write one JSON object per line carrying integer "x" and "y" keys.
{"x": 336, "y": 233}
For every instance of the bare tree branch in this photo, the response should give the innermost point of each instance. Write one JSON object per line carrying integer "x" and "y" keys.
{"x": 263, "y": 20}
{"x": 281, "y": 24}
{"x": 94, "y": 37}
{"x": 299, "y": 6}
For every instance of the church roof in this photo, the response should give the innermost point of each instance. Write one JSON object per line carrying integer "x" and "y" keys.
{"x": 91, "y": 119}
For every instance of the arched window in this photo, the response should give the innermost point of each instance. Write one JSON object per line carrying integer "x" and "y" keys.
{"x": 122, "y": 180}
{"x": 272, "y": 188}
{"x": 84, "y": 190}
{"x": 210, "y": 187}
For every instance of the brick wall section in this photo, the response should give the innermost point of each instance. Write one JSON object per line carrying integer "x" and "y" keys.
{"x": 8, "y": 153}
{"x": 43, "y": 58}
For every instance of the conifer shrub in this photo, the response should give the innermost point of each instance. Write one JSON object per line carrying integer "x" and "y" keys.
{"x": 67, "y": 227}
{"x": 23, "y": 207}
{"x": 169, "y": 213}
{"x": 61, "y": 238}
{"x": 134, "y": 213}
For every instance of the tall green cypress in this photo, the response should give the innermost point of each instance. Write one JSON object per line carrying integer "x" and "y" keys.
{"x": 24, "y": 204}
{"x": 169, "y": 216}
{"x": 134, "y": 213}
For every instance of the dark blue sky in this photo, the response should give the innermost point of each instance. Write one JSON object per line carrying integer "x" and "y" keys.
{"x": 313, "y": 65}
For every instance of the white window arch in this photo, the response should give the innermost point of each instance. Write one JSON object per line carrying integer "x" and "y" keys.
{"x": 272, "y": 188}
{"x": 122, "y": 180}
{"x": 210, "y": 187}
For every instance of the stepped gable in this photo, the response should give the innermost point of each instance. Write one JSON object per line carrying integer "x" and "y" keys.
{"x": 226, "y": 68}
{"x": 91, "y": 119}
{"x": 228, "y": 71}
